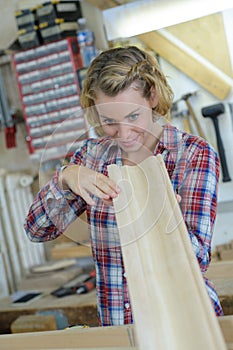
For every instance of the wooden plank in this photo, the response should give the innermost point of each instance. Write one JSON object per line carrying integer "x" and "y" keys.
{"x": 198, "y": 71}
{"x": 98, "y": 337}
{"x": 221, "y": 270}
{"x": 207, "y": 36}
{"x": 95, "y": 348}
{"x": 101, "y": 337}
{"x": 170, "y": 304}
{"x": 226, "y": 254}
{"x": 221, "y": 273}
{"x": 226, "y": 324}
{"x": 103, "y": 4}
{"x": 34, "y": 323}
{"x": 69, "y": 250}
{"x": 112, "y": 348}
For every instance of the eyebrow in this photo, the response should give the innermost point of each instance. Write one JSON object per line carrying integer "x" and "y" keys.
{"x": 125, "y": 117}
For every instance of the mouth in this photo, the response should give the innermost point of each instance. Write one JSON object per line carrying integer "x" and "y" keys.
{"x": 129, "y": 143}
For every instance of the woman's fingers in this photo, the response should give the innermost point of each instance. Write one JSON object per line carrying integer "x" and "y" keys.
{"x": 87, "y": 182}
{"x": 106, "y": 186}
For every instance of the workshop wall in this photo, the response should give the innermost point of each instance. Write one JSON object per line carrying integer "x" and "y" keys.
{"x": 182, "y": 85}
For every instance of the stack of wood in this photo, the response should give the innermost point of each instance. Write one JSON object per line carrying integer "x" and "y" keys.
{"x": 74, "y": 243}
{"x": 225, "y": 251}
{"x": 70, "y": 250}
{"x": 33, "y": 323}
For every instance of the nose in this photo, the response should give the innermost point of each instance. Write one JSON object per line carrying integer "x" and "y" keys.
{"x": 123, "y": 131}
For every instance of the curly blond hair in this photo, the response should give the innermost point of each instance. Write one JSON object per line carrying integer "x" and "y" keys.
{"x": 114, "y": 70}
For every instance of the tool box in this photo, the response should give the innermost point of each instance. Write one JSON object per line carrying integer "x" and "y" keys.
{"x": 58, "y": 19}
{"x": 26, "y": 19}
{"x": 50, "y": 11}
{"x": 29, "y": 38}
{"x": 58, "y": 30}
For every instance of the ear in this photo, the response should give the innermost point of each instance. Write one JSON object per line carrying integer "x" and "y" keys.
{"x": 153, "y": 97}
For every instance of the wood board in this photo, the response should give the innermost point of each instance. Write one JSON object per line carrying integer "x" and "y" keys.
{"x": 170, "y": 304}
{"x": 207, "y": 36}
{"x": 198, "y": 71}
{"x": 119, "y": 337}
{"x": 221, "y": 274}
{"x": 98, "y": 337}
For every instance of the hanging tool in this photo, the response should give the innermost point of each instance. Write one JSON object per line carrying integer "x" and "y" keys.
{"x": 184, "y": 115}
{"x": 6, "y": 118}
{"x": 213, "y": 112}
{"x": 186, "y": 98}
{"x": 231, "y": 112}
{"x": 187, "y": 123}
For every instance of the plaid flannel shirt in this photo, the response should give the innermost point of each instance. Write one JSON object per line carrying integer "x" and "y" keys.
{"x": 193, "y": 167}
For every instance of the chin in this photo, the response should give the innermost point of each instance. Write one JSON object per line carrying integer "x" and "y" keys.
{"x": 130, "y": 148}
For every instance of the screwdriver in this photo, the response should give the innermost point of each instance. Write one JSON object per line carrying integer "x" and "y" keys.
{"x": 87, "y": 286}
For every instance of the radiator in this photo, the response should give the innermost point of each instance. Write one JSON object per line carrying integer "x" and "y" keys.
{"x": 17, "y": 253}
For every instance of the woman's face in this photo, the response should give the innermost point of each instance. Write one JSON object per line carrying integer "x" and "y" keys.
{"x": 127, "y": 118}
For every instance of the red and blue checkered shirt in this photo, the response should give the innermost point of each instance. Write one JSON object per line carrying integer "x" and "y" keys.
{"x": 193, "y": 167}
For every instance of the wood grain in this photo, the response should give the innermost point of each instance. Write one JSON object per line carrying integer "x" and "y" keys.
{"x": 171, "y": 307}
{"x": 207, "y": 36}
{"x": 118, "y": 337}
{"x": 198, "y": 71}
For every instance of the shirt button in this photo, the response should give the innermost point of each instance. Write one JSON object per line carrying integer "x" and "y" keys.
{"x": 127, "y": 305}
{"x": 124, "y": 274}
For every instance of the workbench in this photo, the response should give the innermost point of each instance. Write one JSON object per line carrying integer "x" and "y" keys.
{"x": 79, "y": 309}
{"x": 82, "y": 309}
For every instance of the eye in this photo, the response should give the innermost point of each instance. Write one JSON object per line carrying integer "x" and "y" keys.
{"x": 108, "y": 121}
{"x": 133, "y": 117}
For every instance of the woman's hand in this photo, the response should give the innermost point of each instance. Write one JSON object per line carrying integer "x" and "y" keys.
{"x": 86, "y": 182}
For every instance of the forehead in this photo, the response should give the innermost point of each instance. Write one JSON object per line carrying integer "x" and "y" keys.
{"x": 120, "y": 105}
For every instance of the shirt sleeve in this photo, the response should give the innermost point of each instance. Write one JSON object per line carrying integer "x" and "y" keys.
{"x": 54, "y": 209}
{"x": 199, "y": 201}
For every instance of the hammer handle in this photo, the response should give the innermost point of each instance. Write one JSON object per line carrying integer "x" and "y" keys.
{"x": 225, "y": 173}
{"x": 187, "y": 124}
{"x": 199, "y": 129}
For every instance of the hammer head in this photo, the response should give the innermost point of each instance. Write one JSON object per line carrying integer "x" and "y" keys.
{"x": 213, "y": 111}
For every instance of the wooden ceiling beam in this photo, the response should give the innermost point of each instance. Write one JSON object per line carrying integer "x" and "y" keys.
{"x": 200, "y": 72}
{"x": 103, "y": 4}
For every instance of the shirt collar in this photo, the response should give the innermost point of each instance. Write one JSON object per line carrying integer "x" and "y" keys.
{"x": 170, "y": 138}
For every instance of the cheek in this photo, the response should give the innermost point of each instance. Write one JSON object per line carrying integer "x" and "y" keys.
{"x": 109, "y": 130}
{"x": 144, "y": 125}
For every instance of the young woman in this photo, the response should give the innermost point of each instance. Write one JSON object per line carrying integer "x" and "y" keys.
{"x": 126, "y": 97}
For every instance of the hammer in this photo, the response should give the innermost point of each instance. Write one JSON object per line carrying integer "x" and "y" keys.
{"x": 213, "y": 112}
{"x": 186, "y": 98}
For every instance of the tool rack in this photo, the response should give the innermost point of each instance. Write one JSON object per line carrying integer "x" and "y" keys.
{"x": 49, "y": 92}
